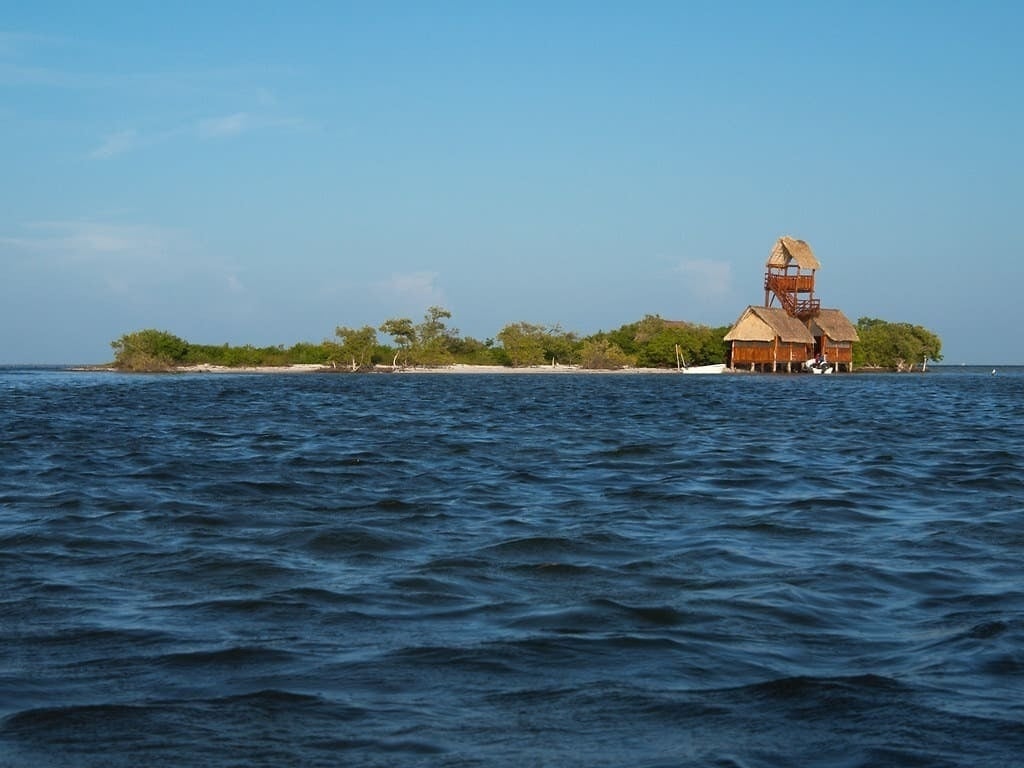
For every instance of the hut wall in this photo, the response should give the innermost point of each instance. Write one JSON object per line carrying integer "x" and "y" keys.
{"x": 768, "y": 352}
{"x": 838, "y": 351}
{"x": 794, "y": 352}
{"x": 747, "y": 352}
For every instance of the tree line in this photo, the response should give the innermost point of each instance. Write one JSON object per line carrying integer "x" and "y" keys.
{"x": 433, "y": 342}
{"x": 651, "y": 342}
{"x": 899, "y": 346}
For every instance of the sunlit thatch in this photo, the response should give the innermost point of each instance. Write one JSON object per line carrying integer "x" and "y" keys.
{"x": 767, "y": 324}
{"x": 788, "y": 250}
{"x": 834, "y": 324}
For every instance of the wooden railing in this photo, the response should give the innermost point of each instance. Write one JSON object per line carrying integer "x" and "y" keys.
{"x": 787, "y": 288}
{"x": 789, "y": 283}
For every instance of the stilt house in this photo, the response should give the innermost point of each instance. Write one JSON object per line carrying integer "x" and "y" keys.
{"x": 834, "y": 336}
{"x": 798, "y": 328}
{"x": 765, "y": 338}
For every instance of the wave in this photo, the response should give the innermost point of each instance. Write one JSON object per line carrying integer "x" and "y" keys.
{"x": 469, "y": 571}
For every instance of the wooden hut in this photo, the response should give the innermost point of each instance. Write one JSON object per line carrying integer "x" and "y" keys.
{"x": 764, "y": 338}
{"x": 834, "y": 336}
{"x": 789, "y": 278}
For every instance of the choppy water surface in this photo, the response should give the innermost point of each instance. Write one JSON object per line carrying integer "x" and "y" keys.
{"x": 631, "y": 570}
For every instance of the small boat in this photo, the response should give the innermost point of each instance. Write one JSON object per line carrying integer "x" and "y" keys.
{"x": 682, "y": 366}
{"x": 818, "y": 366}
{"x": 716, "y": 368}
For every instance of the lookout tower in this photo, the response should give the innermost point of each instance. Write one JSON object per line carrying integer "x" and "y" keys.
{"x": 789, "y": 278}
{"x": 799, "y": 329}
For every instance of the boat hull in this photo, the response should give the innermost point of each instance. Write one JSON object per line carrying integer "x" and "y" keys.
{"x": 818, "y": 368}
{"x": 705, "y": 369}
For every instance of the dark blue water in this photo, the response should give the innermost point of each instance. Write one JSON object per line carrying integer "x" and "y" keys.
{"x": 582, "y": 570}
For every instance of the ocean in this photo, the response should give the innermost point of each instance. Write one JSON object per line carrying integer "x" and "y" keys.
{"x": 511, "y": 570}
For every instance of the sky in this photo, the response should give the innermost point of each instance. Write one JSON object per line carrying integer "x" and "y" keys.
{"x": 262, "y": 172}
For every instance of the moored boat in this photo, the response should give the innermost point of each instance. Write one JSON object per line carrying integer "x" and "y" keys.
{"x": 716, "y": 368}
{"x": 682, "y": 366}
{"x": 818, "y": 366}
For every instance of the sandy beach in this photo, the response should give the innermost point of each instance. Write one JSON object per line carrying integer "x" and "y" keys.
{"x": 298, "y": 368}
{"x": 548, "y": 369}
{"x": 458, "y": 368}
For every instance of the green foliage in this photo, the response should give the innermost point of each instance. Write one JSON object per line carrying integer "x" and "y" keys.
{"x": 603, "y": 354}
{"x": 434, "y": 339}
{"x": 649, "y": 342}
{"x": 357, "y": 345}
{"x": 474, "y": 352}
{"x": 430, "y": 343}
{"x": 561, "y": 346}
{"x": 625, "y": 338}
{"x": 149, "y": 350}
{"x": 523, "y": 343}
{"x": 654, "y": 342}
{"x": 526, "y": 344}
{"x": 304, "y": 353}
{"x": 894, "y": 345}
{"x": 403, "y": 332}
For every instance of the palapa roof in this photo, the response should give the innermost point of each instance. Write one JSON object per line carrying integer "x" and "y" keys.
{"x": 789, "y": 250}
{"x": 767, "y": 323}
{"x": 835, "y": 325}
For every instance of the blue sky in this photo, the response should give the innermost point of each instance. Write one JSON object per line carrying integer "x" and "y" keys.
{"x": 260, "y": 173}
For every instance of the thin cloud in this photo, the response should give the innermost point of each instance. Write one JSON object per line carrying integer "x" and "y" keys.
{"x": 131, "y": 261}
{"x": 245, "y": 122}
{"x": 206, "y": 129}
{"x": 234, "y": 285}
{"x": 17, "y": 68}
{"x": 706, "y": 277}
{"x": 116, "y": 144}
{"x": 227, "y": 125}
{"x": 266, "y": 97}
{"x": 20, "y": 46}
{"x": 418, "y": 289}
{"x": 84, "y": 240}
{"x": 18, "y": 75}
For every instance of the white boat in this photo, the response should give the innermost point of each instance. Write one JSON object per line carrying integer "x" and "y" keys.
{"x": 682, "y": 366}
{"x": 716, "y": 368}
{"x": 818, "y": 366}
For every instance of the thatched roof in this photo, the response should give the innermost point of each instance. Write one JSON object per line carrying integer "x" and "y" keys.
{"x": 835, "y": 325}
{"x": 767, "y": 323}
{"x": 789, "y": 250}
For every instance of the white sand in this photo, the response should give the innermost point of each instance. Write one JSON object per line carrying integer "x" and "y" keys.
{"x": 458, "y": 368}
{"x": 555, "y": 369}
{"x": 298, "y": 368}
